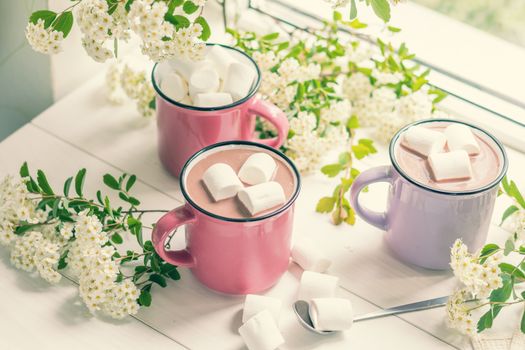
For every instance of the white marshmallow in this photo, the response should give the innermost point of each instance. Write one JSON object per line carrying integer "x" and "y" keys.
{"x": 212, "y": 99}
{"x": 317, "y": 285}
{"x": 221, "y": 59}
{"x": 239, "y": 80}
{"x": 221, "y": 181}
{"x": 203, "y": 80}
{"x": 459, "y": 136}
{"x": 307, "y": 255}
{"x": 174, "y": 86}
{"x": 253, "y": 304}
{"x": 186, "y": 67}
{"x": 423, "y": 140}
{"x": 261, "y": 197}
{"x": 258, "y": 168}
{"x": 453, "y": 165}
{"x": 261, "y": 332}
{"x": 331, "y": 314}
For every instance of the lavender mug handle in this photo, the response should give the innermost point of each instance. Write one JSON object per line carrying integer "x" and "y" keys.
{"x": 367, "y": 177}
{"x": 275, "y": 116}
{"x": 170, "y": 221}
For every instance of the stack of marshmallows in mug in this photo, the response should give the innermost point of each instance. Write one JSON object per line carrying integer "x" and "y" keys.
{"x": 258, "y": 170}
{"x": 217, "y": 80}
{"x": 452, "y": 165}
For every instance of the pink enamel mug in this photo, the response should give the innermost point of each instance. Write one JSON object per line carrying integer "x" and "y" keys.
{"x": 184, "y": 129}
{"x": 230, "y": 255}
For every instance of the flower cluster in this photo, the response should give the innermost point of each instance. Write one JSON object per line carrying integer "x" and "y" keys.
{"x": 42, "y": 39}
{"x": 480, "y": 279}
{"x": 459, "y": 314}
{"x": 166, "y": 29}
{"x": 46, "y": 232}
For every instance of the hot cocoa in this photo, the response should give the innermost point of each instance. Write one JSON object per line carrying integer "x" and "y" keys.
{"x": 235, "y": 156}
{"x": 485, "y": 160}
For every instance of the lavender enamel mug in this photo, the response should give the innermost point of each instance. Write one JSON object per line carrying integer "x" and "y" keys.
{"x": 422, "y": 222}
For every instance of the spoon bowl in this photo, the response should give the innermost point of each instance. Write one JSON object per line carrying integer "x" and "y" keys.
{"x": 302, "y": 310}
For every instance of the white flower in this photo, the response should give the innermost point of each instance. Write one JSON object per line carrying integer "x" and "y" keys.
{"x": 516, "y": 224}
{"x": 46, "y": 259}
{"x": 47, "y": 41}
{"x": 377, "y": 109}
{"x": 96, "y": 50}
{"x": 479, "y": 279}
{"x": 337, "y": 112}
{"x": 459, "y": 314}
{"x": 337, "y": 3}
{"x": 383, "y": 78}
{"x": 415, "y": 106}
{"x": 387, "y": 127}
{"x": 266, "y": 60}
{"x": 357, "y": 86}
{"x": 304, "y": 122}
{"x": 115, "y": 94}
{"x": 24, "y": 249}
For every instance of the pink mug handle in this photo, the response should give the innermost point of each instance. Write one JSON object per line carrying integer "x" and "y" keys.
{"x": 167, "y": 223}
{"x": 275, "y": 116}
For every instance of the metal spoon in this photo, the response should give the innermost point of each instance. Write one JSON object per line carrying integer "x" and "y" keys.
{"x": 302, "y": 310}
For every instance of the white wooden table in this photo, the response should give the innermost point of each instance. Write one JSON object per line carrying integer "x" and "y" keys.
{"x": 83, "y": 130}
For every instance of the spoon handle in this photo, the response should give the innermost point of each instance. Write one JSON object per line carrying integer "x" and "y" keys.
{"x": 401, "y": 309}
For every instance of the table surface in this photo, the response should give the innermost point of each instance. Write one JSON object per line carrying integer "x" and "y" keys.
{"x": 83, "y": 130}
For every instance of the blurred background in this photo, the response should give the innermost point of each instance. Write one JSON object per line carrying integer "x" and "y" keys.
{"x": 30, "y": 82}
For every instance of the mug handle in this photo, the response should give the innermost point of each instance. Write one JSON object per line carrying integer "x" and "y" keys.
{"x": 275, "y": 116}
{"x": 166, "y": 224}
{"x": 367, "y": 177}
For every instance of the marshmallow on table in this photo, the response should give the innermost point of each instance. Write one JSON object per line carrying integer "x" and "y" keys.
{"x": 258, "y": 168}
{"x": 307, "y": 255}
{"x": 261, "y": 332}
{"x": 174, "y": 86}
{"x": 453, "y": 165}
{"x": 317, "y": 285}
{"x": 261, "y": 197}
{"x": 212, "y": 99}
{"x": 459, "y": 136}
{"x": 221, "y": 59}
{"x": 239, "y": 80}
{"x": 203, "y": 80}
{"x": 331, "y": 314}
{"x": 221, "y": 181}
{"x": 253, "y": 304}
{"x": 423, "y": 140}
{"x": 186, "y": 67}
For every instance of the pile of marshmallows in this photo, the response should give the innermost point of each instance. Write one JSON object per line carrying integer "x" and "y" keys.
{"x": 260, "y": 330}
{"x": 217, "y": 80}
{"x": 452, "y": 165}
{"x": 222, "y": 182}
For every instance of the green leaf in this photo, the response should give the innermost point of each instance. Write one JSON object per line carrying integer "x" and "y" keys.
{"x": 206, "y": 31}
{"x": 133, "y": 201}
{"x": 148, "y": 246}
{"x": 79, "y": 181}
{"x": 487, "y": 319}
{"x": 508, "y": 212}
{"x": 64, "y": 23}
{"x": 353, "y": 122}
{"x": 394, "y": 29}
{"x": 24, "y": 170}
{"x": 128, "y": 4}
{"x": 112, "y": 6}
{"x": 141, "y": 269}
{"x": 381, "y": 9}
{"x": 368, "y": 144}
{"x": 55, "y": 207}
{"x": 111, "y": 182}
{"x": 357, "y": 24}
{"x": 350, "y": 219}
{"x": 488, "y": 249}
{"x": 515, "y": 192}
{"x": 21, "y": 229}
{"x": 62, "y": 263}
{"x": 325, "y": 205}
{"x": 189, "y": 7}
{"x": 67, "y": 185}
{"x": 505, "y": 184}
{"x": 174, "y": 274}
{"x": 360, "y": 151}
{"x": 47, "y": 16}
{"x": 135, "y": 226}
{"x": 177, "y": 20}
{"x": 130, "y": 182}
{"x": 42, "y": 182}
{"x": 145, "y": 297}
{"x": 331, "y": 170}
{"x": 345, "y": 158}
{"x": 503, "y": 293}
{"x": 270, "y": 37}
{"x": 522, "y": 325}
{"x": 512, "y": 270}
{"x": 337, "y": 16}
{"x": 353, "y": 10}
{"x": 509, "y": 246}
{"x": 116, "y": 238}
{"x": 160, "y": 280}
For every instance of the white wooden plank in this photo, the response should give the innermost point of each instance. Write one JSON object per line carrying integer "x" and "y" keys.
{"x": 186, "y": 311}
